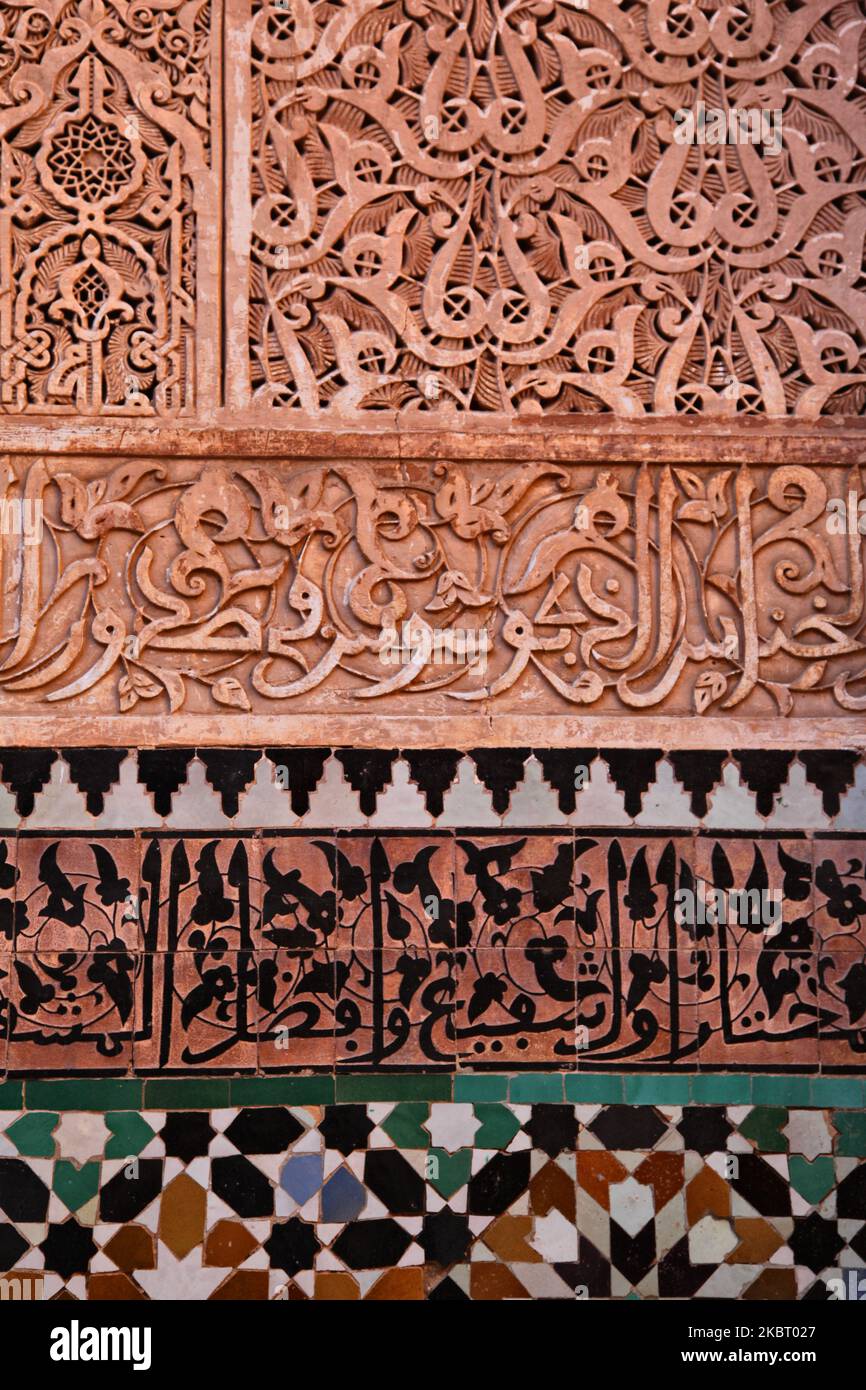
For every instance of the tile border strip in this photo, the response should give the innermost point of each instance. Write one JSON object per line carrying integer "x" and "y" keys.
{"x": 202, "y": 1093}
{"x": 108, "y": 790}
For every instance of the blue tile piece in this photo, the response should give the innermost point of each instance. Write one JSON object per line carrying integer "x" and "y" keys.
{"x": 343, "y": 1197}
{"x": 302, "y": 1176}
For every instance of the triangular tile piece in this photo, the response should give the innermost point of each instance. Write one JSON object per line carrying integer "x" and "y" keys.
{"x": 94, "y": 771}
{"x": 8, "y": 814}
{"x": 533, "y": 802}
{"x": 402, "y": 803}
{"x": 467, "y": 802}
{"x": 764, "y": 770}
{"x": 560, "y": 767}
{"x": 229, "y": 771}
{"x": 500, "y": 769}
{"x": 196, "y": 806}
{"x": 665, "y": 802}
{"x": 266, "y": 803}
{"x": 301, "y": 770}
{"x": 433, "y": 770}
{"x": 128, "y": 806}
{"x": 333, "y": 803}
{"x": 632, "y": 770}
{"x": 798, "y": 805}
{"x": 25, "y": 772}
{"x": 852, "y": 809}
{"x": 60, "y": 804}
{"x": 368, "y": 771}
{"x": 699, "y": 770}
{"x": 162, "y": 771}
{"x": 831, "y": 770}
{"x": 599, "y": 802}
{"x": 732, "y": 806}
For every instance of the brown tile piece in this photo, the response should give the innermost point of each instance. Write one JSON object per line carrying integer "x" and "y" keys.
{"x": 243, "y": 1285}
{"x": 114, "y": 1288}
{"x": 228, "y": 1244}
{"x": 132, "y": 1247}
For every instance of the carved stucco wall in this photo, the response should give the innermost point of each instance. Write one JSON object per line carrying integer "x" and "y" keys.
{"x": 461, "y": 209}
{"x": 321, "y": 319}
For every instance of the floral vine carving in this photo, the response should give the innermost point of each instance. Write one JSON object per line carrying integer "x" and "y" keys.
{"x": 472, "y": 207}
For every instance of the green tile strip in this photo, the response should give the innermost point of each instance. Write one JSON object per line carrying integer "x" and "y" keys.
{"x": 470, "y": 1087}
{"x": 766, "y": 1093}
{"x": 397, "y": 1086}
{"x": 282, "y": 1090}
{"x": 530, "y": 1088}
{"x": 11, "y": 1095}
{"x": 82, "y": 1093}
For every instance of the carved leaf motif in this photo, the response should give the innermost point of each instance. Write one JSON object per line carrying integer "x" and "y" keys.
{"x": 228, "y": 691}
{"x": 709, "y": 687}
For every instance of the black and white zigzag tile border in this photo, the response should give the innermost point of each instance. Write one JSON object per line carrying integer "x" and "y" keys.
{"x": 218, "y": 789}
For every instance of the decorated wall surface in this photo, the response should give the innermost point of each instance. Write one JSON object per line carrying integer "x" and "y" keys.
{"x": 432, "y": 649}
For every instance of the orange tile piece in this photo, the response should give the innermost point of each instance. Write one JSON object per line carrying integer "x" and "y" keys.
{"x": 665, "y": 1174}
{"x": 403, "y": 1285}
{"x": 596, "y": 1170}
{"x": 182, "y": 1215}
{"x": 707, "y": 1192}
{"x": 508, "y": 1238}
{"x": 758, "y": 1241}
{"x": 336, "y": 1287}
{"x": 551, "y": 1187}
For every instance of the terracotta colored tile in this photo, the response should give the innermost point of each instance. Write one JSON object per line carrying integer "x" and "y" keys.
{"x": 196, "y": 1009}
{"x": 301, "y": 882}
{"x": 840, "y": 893}
{"x": 8, "y": 883}
{"x": 780, "y": 868}
{"x": 760, "y": 1009}
{"x": 394, "y": 1008}
{"x": 640, "y": 1007}
{"x": 520, "y": 889}
{"x": 399, "y": 1285}
{"x": 72, "y": 1013}
{"x": 841, "y": 970}
{"x": 114, "y": 1288}
{"x": 244, "y": 1285}
{"x": 132, "y": 1247}
{"x": 759, "y": 1241}
{"x": 77, "y": 894}
{"x": 515, "y": 1006}
{"x": 397, "y": 890}
{"x": 228, "y": 1243}
{"x": 625, "y": 892}
{"x": 293, "y": 1011}
{"x": 200, "y": 893}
